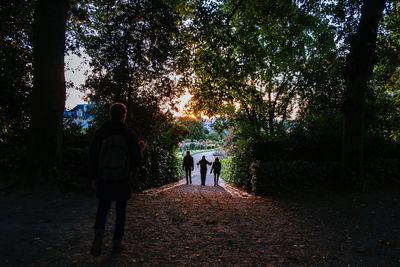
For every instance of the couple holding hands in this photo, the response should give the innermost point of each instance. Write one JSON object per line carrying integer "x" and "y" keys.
{"x": 188, "y": 165}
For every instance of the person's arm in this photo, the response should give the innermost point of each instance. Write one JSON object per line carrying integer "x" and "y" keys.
{"x": 192, "y": 163}
{"x": 212, "y": 168}
{"x": 137, "y": 151}
{"x": 142, "y": 147}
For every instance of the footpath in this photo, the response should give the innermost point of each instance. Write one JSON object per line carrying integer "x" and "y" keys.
{"x": 193, "y": 225}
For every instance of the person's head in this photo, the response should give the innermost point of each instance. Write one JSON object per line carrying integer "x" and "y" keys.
{"x": 188, "y": 153}
{"x": 217, "y": 159}
{"x": 117, "y": 112}
{"x": 204, "y": 157}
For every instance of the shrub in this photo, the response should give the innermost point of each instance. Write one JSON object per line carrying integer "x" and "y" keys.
{"x": 291, "y": 177}
{"x": 159, "y": 166}
{"x": 236, "y": 169}
{"x": 74, "y": 173}
{"x": 12, "y": 157}
{"x": 298, "y": 148}
{"x": 376, "y": 147}
{"x": 383, "y": 171}
{"x": 305, "y": 156}
{"x": 226, "y": 171}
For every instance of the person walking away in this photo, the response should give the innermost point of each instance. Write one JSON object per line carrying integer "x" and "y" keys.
{"x": 188, "y": 165}
{"x": 115, "y": 152}
{"x": 203, "y": 169}
{"x": 216, "y": 167}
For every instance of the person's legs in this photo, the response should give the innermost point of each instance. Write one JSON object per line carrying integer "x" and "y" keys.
{"x": 120, "y": 219}
{"x": 101, "y": 215}
{"x": 217, "y": 174}
{"x": 187, "y": 175}
{"x": 190, "y": 176}
{"x": 215, "y": 179}
{"x": 203, "y": 177}
{"x": 99, "y": 225}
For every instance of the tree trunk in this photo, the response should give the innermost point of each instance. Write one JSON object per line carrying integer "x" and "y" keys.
{"x": 48, "y": 94}
{"x": 359, "y": 65}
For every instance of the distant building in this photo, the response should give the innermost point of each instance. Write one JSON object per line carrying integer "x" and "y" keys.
{"x": 81, "y": 114}
{"x": 208, "y": 124}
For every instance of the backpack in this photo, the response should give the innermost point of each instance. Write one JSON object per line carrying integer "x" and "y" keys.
{"x": 114, "y": 163}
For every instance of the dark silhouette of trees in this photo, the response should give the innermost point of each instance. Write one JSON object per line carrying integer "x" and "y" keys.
{"x": 15, "y": 69}
{"x": 272, "y": 70}
{"x": 137, "y": 53}
{"x": 135, "y": 49}
{"x": 260, "y": 63}
{"x": 195, "y": 127}
{"x": 48, "y": 92}
{"x": 359, "y": 65}
{"x": 271, "y": 61}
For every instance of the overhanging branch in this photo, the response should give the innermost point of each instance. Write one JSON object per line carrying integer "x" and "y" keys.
{"x": 229, "y": 19}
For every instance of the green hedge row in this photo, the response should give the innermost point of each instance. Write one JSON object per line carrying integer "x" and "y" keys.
{"x": 291, "y": 177}
{"x": 158, "y": 168}
{"x": 274, "y": 175}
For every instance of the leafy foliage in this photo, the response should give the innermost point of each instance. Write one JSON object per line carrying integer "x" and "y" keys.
{"x": 272, "y": 71}
{"x": 12, "y": 157}
{"x": 135, "y": 53}
{"x": 159, "y": 167}
{"x": 262, "y": 66}
{"x": 195, "y": 128}
{"x": 292, "y": 177}
{"x": 384, "y": 97}
{"x": 15, "y": 68}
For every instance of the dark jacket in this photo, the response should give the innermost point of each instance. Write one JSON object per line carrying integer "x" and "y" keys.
{"x": 113, "y": 190}
{"x": 203, "y": 165}
{"x": 188, "y": 162}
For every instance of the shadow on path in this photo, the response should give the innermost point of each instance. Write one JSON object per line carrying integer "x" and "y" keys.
{"x": 203, "y": 226}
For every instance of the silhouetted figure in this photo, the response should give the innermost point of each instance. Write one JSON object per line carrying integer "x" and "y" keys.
{"x": 216, "y": 167}
{"x": 114, "y": 153}
{"x": 188, "y": 165}
{"x": 203, "y": 169}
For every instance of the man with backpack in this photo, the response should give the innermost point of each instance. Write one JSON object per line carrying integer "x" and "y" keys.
{"x": 114, "y": 154}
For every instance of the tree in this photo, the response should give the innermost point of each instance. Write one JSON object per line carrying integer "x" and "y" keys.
{"x": 195, "y": 127}
{"x": 15, "y": 69}
{"x": 261, "y": 61}
{"x": 135, "y": 51}
{"x": 48, "y": 93}
{"x": 262, "y": 58}
{"x": 359, "y": 67}
{"x": 383, "y": 96}
{"x": 136, "y": 54}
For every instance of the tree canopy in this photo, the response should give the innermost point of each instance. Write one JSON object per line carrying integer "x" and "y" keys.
{"x": 269, "y": 69}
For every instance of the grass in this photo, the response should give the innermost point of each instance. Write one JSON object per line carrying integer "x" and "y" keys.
{"x": 194, "y": 152}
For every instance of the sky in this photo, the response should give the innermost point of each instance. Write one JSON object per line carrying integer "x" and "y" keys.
{"x": 75, "y": 73}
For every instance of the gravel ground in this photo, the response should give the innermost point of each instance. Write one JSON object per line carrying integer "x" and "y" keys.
{"x": 182, "y": 225}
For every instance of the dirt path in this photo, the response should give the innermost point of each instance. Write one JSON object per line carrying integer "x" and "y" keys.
{"x": 183, "y": 225}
